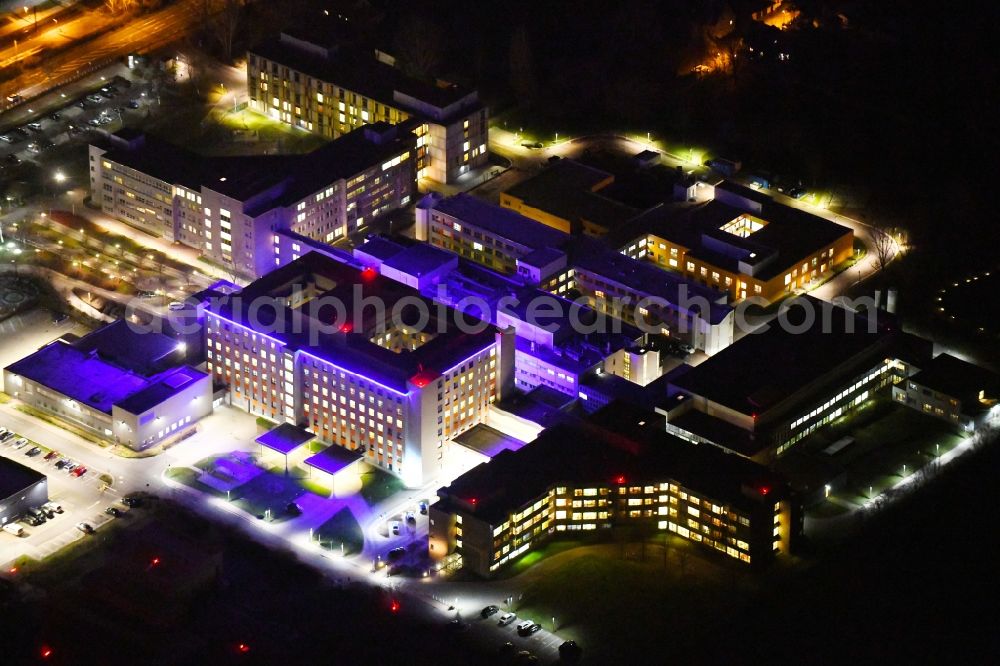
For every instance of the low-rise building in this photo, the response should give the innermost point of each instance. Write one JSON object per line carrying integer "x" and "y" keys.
{"x": 232, "y": 208}
{"x": 954, "y": 390}
{"x": 568, "y": 196}
{"x": 742, "y": 242}
{"x": 301, "y": 79}
{"x": 620, "y": 468}
{"x": 21, "y": 489}
{"x": 762, "y": 395}
{"x": 123, "y": 385}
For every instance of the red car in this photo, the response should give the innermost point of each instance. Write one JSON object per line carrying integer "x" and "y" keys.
{"x": 79, "y": 471}
{"x": 50, "y": 455}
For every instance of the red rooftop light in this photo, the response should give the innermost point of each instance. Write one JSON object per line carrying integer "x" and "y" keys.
{"x": 45, "y": 652}
{"x": 394, "y": 606}
{"x": 473, "y": 501}
{"x": 346, "y": 327}
{"x": 368, "y": 274}
{"x": 243, "y": 647}
{"x": 764, "y": 490}
{"x": 620, "y": 479}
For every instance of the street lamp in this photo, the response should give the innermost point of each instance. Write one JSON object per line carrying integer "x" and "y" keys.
{"x": 59, "y": 177}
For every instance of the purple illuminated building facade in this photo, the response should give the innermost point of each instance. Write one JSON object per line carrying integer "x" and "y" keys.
{"x": 368, "y": 382}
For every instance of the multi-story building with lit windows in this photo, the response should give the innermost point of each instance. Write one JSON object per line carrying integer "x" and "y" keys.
{"x": 953, "y": 390}
{"x": 231, "y": 208}
{"x": 357, "y": 377}
{"x": 333, "y": 89}
{"x": 618, "y": 469}
{"x": 764, "y": 394}
{"x": 742, "y": 242}
{"x": 612, "y": 283}
{"x": 475, "y": 229}
{"x": 125, "y": 386}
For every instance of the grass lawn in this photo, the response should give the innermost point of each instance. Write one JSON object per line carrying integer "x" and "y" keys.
{"x": 377, "y": 485}
{"x": 586, "y": 590}
{"x": 343, "y": 528}
{"x": 189, "y": 478}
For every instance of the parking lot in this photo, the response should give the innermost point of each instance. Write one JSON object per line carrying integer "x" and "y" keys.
{"x": 106, "y": 107}
{"x": 83, "y": 497}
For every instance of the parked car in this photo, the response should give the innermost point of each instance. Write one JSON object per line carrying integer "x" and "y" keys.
{"x": 7, "y": 436}
{"x": 527, "y": 628}
{"x": 53, "y": 506}
{"x": 96, "y": 99}
{"x": 3, "y": 431}
{"x": 31, "y": 520}
{"x": 20, "y": 443}
{"x": 506, "y": 619}
{"x": 396, "y": 554}
{"x": 54, "y": 115}
{"x": 32, "y": 452}
{"x": 457, "y": 625}
{"x": 133, "y": 104}
{"x": 69, "y": 466}
{"x": 797, "y": 192}
{"x": 79, "y": 471}
{"x": 114, "y": 511}
{"x": 293, "y": 509}
{"x": 35, "y": 125}
{"x": 490, "y": 611}
{"x": 14, "y": 528}
{"x": 61, "y": 464}
{"x": 570, "y": 652}
{"x": 131, "y": 501}
{"x": 86, "y": 528}
{"x": 394, "y": 527}
{"x": 50, "y": 455}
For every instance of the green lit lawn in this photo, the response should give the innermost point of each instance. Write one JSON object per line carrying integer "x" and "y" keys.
{"x": 377, "y": 486}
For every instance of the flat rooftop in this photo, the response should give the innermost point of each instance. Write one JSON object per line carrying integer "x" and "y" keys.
{"x": 487, "y": 440}
{"x": 287, "y": 179}
{"x": 15, "y": 477}
{"x": 619, "y": 444}
{"x": 571, "y": 190}
{"x": 500, "y": 221}
{"x": 788, "y": 236}
{"x": 961, "y": 380}
{"x": 763, "y": 370}
{"x": 94, "y": 373}
{"x": 359, "y": 71}
{"x": 643, "y": 277}
{"x": 350, "y": 347}
{"x": 285, "y": 438}
{"x": 420, "y": 259}
{"x": 333, "y": 459}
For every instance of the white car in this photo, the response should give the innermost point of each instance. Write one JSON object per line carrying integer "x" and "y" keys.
{"x": 86, "y": 528}
{"x": 20, "y": 443}
{"x": 506, "y": 619}
{"x": 14, "y": 528}
{"x": 52, "y": 506}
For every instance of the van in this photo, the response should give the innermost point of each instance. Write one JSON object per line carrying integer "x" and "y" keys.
{"x": 14, "y": 528}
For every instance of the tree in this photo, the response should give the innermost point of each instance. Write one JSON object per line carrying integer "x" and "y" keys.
{"x": 883, "y": 245}
{"x": 418, "y": 46}
{"x": 522, "y": 73}
{"x": 222, "y": 20}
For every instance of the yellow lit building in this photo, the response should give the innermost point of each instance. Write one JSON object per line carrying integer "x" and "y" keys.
{"x": 330, "y": 91}
{"x": 619, "y": 468}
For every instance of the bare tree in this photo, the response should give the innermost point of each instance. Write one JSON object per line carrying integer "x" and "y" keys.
{"x": 883, "y": 245}
{"x": 222, "y": 20}
{"x": 418, "y": 45}
{"x": 522, "y": 73}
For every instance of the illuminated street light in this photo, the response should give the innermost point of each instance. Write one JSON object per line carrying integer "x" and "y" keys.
{"x": 59, "y": 177}
{"x": 826, "y": 490}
